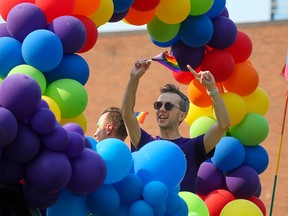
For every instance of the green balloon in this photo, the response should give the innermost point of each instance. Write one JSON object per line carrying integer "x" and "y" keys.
{"x": 70, "y": 96}
{"x": 199, "y": 7}
{"x": 162, "y": 32}
{"x": 252, "y": 130}
{"x": 195, "y": 203}
{"x": 33, "y": 72}
{"x": 1, "y": 79}
{"x": 201, "y": 125}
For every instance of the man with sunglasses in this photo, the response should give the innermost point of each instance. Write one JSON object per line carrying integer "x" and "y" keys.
{"x": 171, "y": 109}
{"x": 110, "y": 125}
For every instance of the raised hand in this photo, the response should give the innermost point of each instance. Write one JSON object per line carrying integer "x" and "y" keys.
{"x": 140, "y": 67}
{"x": 204, "y": 77}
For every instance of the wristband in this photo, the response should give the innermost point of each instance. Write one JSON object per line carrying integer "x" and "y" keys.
{"x": 212, "y": 93}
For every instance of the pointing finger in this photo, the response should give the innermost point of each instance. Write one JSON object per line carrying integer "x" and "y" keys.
{"x": 192, "y": 70}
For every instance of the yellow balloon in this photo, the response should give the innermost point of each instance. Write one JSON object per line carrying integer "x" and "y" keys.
{"x": 173, "y": 12}
{"x": 257, "y": 101}
{"x": 195, "y": 112}
{"x": 53, "y": 107}
{"x": 240, "y": 207}
{"x": 235, "y": 106}
{"x": 104, "y": 13}
{"x": 80, "y": 119}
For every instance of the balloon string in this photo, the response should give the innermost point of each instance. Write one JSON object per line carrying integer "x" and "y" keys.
{"x": 279, "y": 156}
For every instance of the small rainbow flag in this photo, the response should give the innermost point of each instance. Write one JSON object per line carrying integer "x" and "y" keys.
{"x": 141, "y": 116}
{"x": 167, "y": 60}
{"x": 285, "y": 69}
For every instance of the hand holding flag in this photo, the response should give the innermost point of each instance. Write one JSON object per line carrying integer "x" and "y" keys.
{"x": 167, "y": 60}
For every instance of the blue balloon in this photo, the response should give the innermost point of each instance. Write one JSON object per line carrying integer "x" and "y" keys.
{"x": 103, "y": 201}
{"x": 122, "y": 5}
{"x": 42, "y": 49}
{"x": 141, "y": 208}
{"x": 196, "y": 31}
{"x": 216, "y": 9}
{"x": 69, "y": 204}
{"x": 153, "y": 163}
{"x": 155, "y": 192}
{"x": 92, "y": 141}
{"x": 229, "y": 154}
{"x": 256, "y": 157}
{"x": 117, "y": 157}
{"x": 71, "y": 67}
{"x": 173, "y": 204}
{"x": 166, "y": 43}
{"x": 10, "y": 55}
{"x": 130, "y": 188}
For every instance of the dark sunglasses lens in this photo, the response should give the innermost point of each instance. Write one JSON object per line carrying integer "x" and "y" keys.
{"x": 168, "y": 106}
{"x": 157, "y": 105}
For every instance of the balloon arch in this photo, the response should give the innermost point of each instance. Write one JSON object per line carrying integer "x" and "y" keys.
{"x": 42, "y": 99}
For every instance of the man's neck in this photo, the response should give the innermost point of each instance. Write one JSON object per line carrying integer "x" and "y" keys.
{"x": 169, "y": 134}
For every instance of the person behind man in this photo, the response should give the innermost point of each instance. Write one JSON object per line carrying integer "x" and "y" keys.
{"x": 171, "y": 109}
{"x": 110, "y": 125}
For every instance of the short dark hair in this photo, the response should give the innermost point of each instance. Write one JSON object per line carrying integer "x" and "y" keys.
{"x": 171, "y": 88}
{"x": 115, "y": 115}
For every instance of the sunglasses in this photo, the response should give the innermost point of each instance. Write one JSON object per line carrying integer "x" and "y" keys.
{"x": 168, "y": 106}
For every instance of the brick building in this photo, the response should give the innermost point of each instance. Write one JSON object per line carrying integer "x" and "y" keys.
{"x": 110, "y": 62}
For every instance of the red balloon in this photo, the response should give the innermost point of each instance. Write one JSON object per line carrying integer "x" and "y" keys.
{"x": 54, "y": 9}
{"x": 145, "y": 5}
{"x": 216, "y": 200}
{"x": 6, "y": 6}
{"x": 220, "y": 63}
{"x": 91, "y": 32}
{"x": 183, "y": 77}
{"x": 242, "y": 48}
{"x": 257, "y": 201}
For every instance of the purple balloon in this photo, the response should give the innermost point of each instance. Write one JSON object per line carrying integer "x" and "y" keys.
{"x": 71, "y": 32}
{"x": 38, "y": 198}
{"x": 75, "y": 146}
{"x": 25, "y": 146}
{"x": 209, "y": 178}
{"x": 185, "y": 54}
{"x": 25, "y": 18}
{"x": 89, "y": 172}
{"x": 43, "y": 120}
{"x": 43, "y": 104}
{"x": 20, "y": 94}
{"x": 4, "y": 30}
{"x": 8, "y": 127}
{"x": 57, "y": 139}
{"x": 10, "y": 172}
{"x": 243, "y": 182}
{"x": 49, "y": 172}
{"x": 73, "y": 127}
{"x": 118, "y": 16}
{"x": 224, "y": 34}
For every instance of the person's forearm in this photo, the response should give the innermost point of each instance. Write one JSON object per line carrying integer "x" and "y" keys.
{"x": 220, "y": 111}
{"x": 129, "y": 99}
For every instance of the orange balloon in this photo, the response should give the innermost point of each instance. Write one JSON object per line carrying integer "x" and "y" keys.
{"x": 243, "y": 81}
{"x": 138, "y": 18}
{"x": 86, "y": 7}
{"x": 196, "y": 92}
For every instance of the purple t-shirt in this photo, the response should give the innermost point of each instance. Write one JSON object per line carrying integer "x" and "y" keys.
{"x": 194, "y": 151}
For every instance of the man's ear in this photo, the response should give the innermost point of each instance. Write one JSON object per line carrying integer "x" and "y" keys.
{"x": 109, "y": 129}
{"x": 182, "y": 116}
